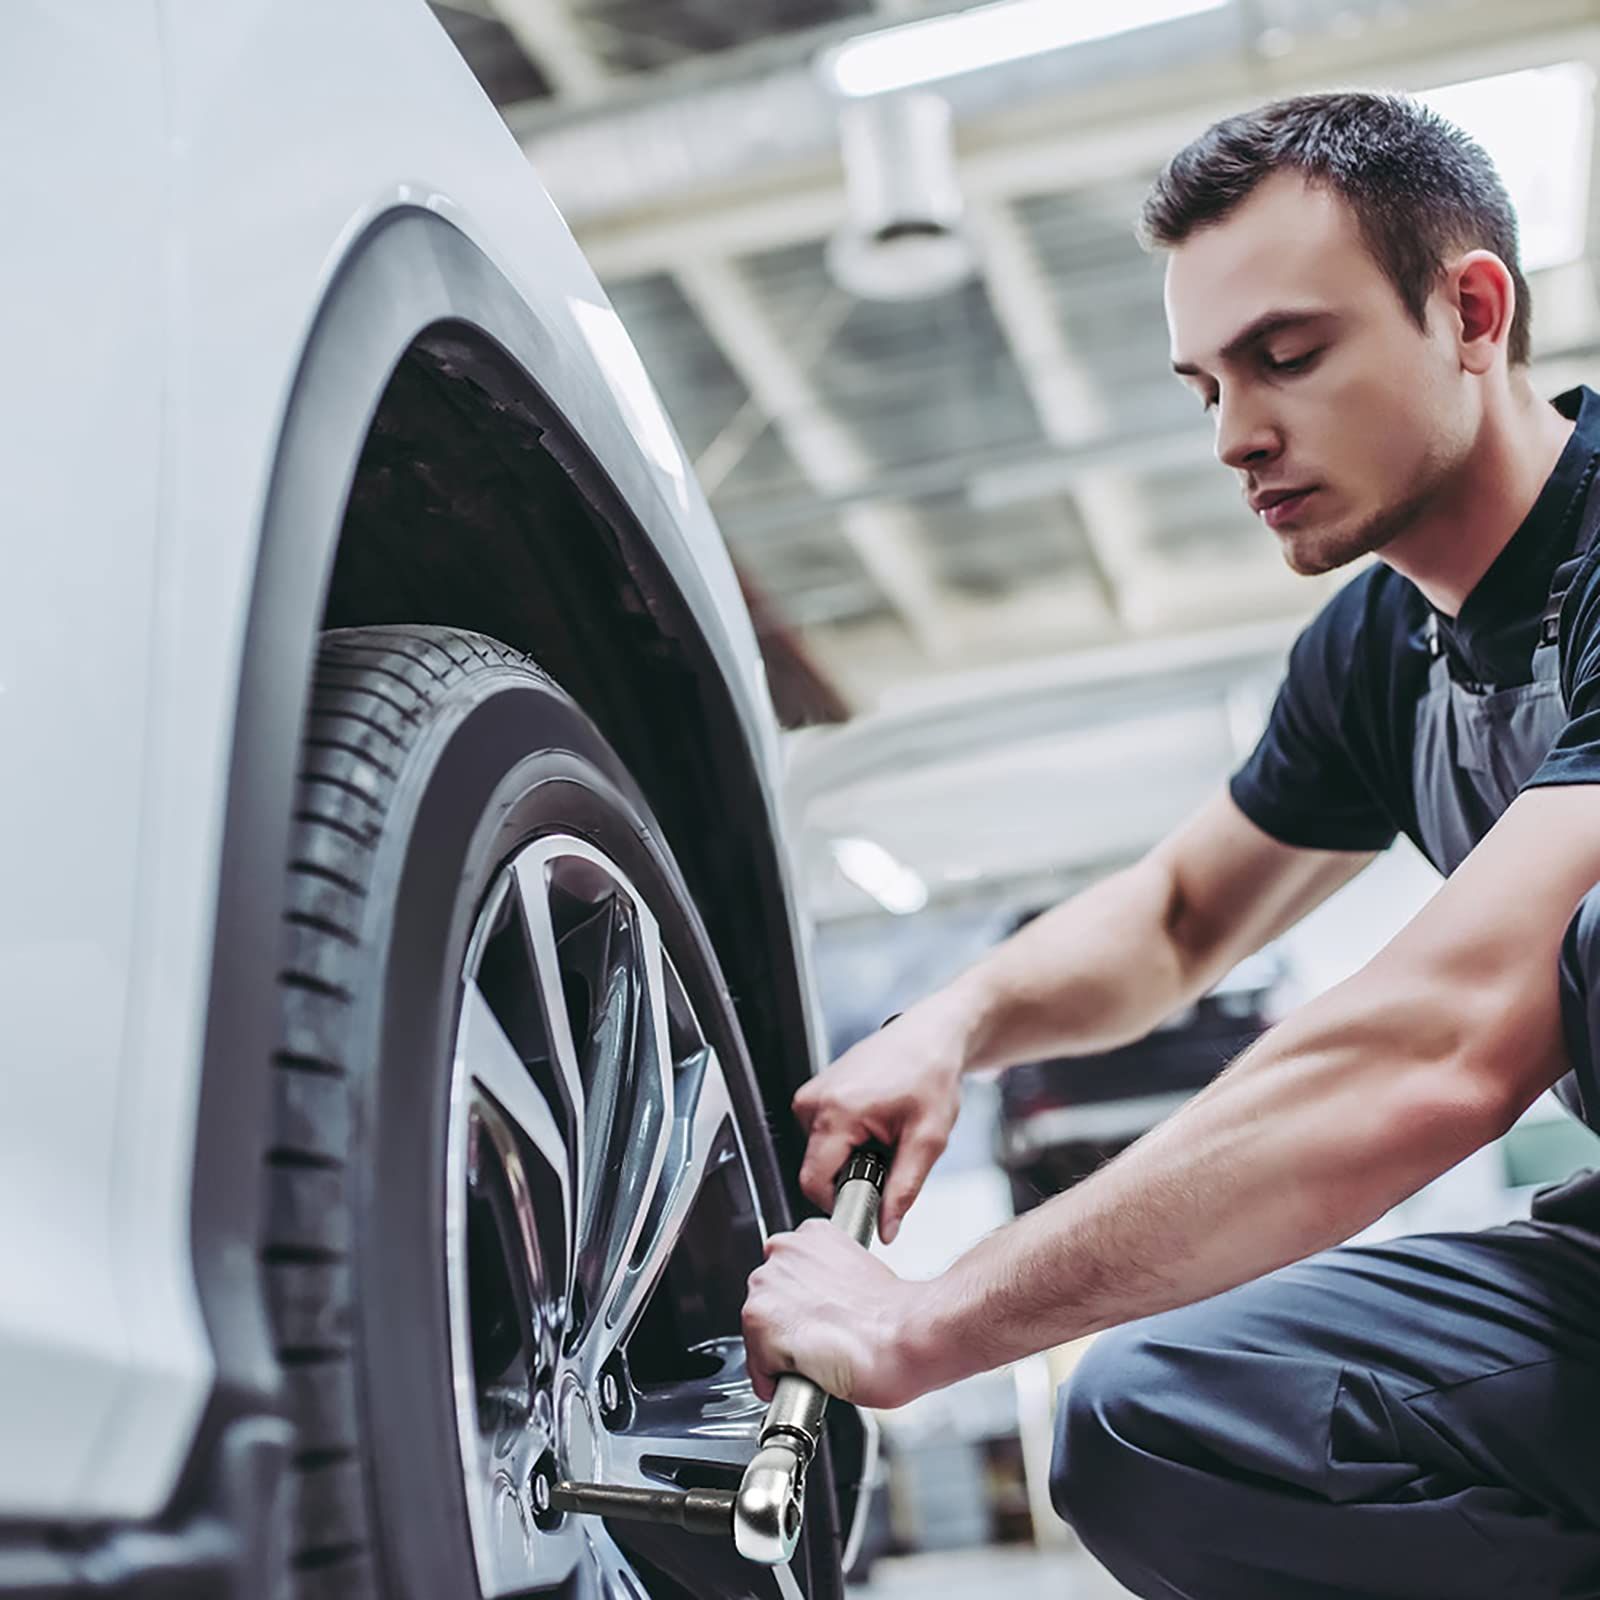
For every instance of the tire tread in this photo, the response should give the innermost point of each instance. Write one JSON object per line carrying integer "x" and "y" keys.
{"x": 369, "y": 704}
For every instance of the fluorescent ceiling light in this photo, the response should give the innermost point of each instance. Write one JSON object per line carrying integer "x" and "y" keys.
{"x": 870, "y": 867}
{"x": 987, "y": 36}
{"x": 1535, "y": 126}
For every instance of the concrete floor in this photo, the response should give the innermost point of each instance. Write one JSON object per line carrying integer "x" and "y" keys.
{"x": 1017, "y": 1572}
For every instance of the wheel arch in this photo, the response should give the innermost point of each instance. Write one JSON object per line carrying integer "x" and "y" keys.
{"x": 418, "y": 317}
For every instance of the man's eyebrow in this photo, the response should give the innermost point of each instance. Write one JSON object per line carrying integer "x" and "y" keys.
{"x": 1264, "y": 326}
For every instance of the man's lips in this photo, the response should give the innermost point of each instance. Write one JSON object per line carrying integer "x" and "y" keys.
{"x": 1278, "y": 506}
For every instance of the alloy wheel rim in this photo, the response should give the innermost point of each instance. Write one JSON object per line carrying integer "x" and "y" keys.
{"x": 595, "y": 1164}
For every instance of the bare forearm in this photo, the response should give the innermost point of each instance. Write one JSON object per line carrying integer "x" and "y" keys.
{"x": 1312, "y": 1135}
{"x": 1092, "y": 973}
{"x": 1109, "y": 964}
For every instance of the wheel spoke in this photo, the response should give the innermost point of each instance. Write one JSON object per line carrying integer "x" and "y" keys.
{"x": 702, "y": 1138}
{"x": 680, "y": 1430}
{"x": 606, "y": 1572}
{"x": 709, "y": 1567}
{"x": 534, "y": 903}
{"x": 651, "y": 1147}
{"x": 493, "y": 1064}
{"x": 514, "y": 1101}
{"x": 519, "y": 1209}
{"x": 614, "y": 953}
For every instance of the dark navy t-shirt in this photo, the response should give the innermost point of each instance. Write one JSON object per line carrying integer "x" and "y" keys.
{"x": 1333, "y": 769}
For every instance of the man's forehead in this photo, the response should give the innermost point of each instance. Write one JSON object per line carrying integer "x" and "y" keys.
{"x": 1290, "y": 244}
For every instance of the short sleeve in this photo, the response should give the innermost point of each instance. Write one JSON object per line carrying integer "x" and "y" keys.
{"x": 1302, "y": 783}
{"x": 1575, "y": 756}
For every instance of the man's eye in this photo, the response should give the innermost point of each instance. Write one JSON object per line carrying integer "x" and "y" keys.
{"x": 1292, "y": 363}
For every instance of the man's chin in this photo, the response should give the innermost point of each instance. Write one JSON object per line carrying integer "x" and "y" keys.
{"x": 1310, "y": 552}
{"x": 1308, "y": 561}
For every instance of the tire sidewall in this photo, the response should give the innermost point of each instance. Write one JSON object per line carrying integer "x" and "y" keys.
{"x": 507, "y": 757}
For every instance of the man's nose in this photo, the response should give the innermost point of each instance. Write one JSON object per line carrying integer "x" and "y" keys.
{"x": 1246, "y": 437}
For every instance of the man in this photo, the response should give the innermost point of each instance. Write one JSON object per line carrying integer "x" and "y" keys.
{"x": 1420, "y": 1418}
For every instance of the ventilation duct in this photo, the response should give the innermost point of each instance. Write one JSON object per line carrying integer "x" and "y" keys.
{"x": 902, "y": 239}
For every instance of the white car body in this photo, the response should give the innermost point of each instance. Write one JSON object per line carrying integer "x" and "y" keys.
{"x": 191, "y": 181}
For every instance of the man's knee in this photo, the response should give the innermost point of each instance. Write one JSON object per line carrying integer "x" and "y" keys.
{"x": 1118, "y": 1452}
{"x": 1097, "y": 1453}
{"x": 1195, "y": 1409}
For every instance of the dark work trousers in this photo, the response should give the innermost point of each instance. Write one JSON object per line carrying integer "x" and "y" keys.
{"x": 1417, "y": 1419}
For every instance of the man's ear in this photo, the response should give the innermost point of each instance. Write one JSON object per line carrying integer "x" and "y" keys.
{"x": 1482, "y": 300}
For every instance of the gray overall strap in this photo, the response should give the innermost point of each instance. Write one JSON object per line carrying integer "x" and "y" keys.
{"x": 1586, "y": 526}
{"x": 1476, "y": 745}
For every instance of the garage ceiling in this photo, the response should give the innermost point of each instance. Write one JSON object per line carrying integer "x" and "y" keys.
{"x": 619, "y": 39}
{"x": 1007, "y": 471}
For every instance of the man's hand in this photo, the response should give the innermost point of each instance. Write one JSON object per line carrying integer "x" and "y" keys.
{"x": 822, "y": 1306}
{"x": 901, "y": 1087}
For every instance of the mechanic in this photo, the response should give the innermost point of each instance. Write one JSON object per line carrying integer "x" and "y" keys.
{"x": 1419, "y": 1418}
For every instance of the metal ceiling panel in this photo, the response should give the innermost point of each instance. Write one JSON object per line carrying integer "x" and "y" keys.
{"x": 915, "y": 381}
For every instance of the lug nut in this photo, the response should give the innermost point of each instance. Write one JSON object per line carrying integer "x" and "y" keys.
{"x": 541, "y": 1481}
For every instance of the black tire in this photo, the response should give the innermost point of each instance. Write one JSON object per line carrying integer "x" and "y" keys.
{"x": 430, "y": 755}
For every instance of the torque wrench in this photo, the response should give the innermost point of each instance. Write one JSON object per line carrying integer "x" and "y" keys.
{"x": 764, "y": 1514}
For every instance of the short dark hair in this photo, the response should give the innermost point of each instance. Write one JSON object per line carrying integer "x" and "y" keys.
{"x": 1420, "y": 188}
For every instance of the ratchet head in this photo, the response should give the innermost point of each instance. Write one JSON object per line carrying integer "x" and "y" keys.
{"x": 770, "y": 1504}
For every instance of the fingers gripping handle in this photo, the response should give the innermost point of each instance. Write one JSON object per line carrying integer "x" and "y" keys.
{"x": 798, "y": 1403}
{"x": 771, "y": 1498}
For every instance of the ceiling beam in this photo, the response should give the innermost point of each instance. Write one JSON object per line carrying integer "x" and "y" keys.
{"x": 1067, "y": 399}
{"x": 885, "y": 537}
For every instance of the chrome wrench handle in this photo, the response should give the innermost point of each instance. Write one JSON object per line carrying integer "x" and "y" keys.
{"x": 770, "y": 1504}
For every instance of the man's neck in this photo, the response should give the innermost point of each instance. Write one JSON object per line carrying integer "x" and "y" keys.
{"x": 1456, "y": 541}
